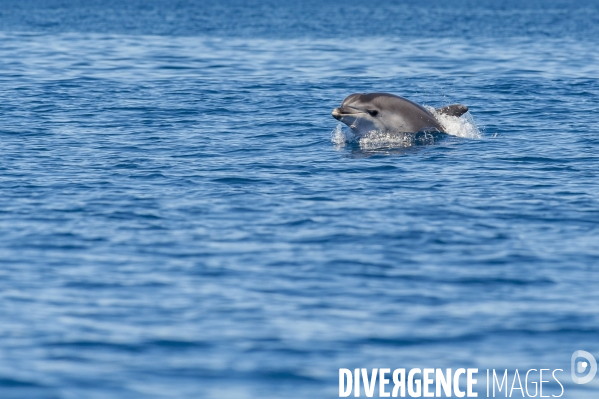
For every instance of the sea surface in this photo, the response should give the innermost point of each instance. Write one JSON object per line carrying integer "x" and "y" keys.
{"x": 181, "y": 217}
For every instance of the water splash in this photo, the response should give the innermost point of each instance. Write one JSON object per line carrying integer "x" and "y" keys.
{"x": 377, "y": 139}
{"x": 463, "y": 126}
{"x": 340, "y": 136}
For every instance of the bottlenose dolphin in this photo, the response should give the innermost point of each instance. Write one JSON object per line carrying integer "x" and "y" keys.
{"x": 383, "y": 112}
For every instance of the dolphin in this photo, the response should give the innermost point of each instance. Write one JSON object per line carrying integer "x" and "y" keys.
{"x": 384, "y": 112}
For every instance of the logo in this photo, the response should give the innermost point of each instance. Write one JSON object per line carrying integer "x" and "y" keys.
{"x": 580, "y": 366}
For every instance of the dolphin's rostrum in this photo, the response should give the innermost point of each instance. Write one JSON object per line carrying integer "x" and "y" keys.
{"x": 385, "y": 112}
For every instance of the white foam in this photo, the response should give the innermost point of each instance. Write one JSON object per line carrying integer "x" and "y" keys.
{"x": 463, "y": 126}
{"x": 341, "y": 136}
{"x": 376, "y": 139}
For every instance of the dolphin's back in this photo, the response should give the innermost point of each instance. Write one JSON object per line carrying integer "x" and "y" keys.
{"x": 407, "y": 116}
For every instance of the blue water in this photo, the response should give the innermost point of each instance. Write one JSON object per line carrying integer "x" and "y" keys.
{"x": 176, "y": 220}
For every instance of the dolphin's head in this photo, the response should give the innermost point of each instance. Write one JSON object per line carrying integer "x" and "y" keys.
{"x": 383, "y": 112}
{"x": 360, "y": 113}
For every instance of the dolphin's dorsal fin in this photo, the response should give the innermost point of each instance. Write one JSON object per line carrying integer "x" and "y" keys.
{"x": 452, "y": 110}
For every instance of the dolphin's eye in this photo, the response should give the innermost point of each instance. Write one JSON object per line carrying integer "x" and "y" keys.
{"x": 373, "y": 112}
